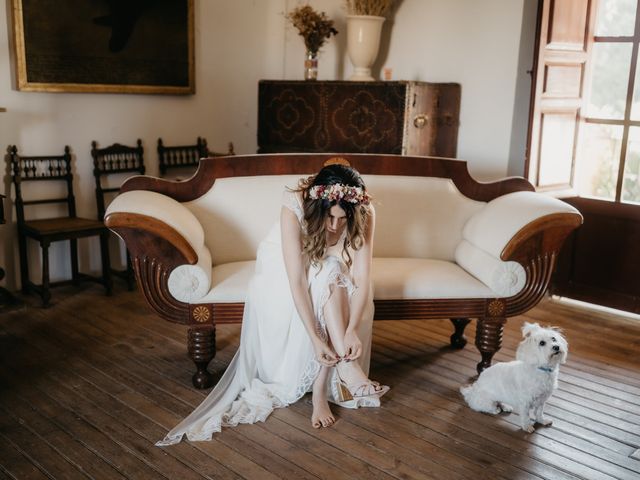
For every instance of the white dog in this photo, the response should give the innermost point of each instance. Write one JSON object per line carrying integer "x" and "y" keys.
{"x": 524, "y": 384}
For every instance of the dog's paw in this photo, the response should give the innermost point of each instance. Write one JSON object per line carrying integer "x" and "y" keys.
{"x": 545, "y": 421}
{"x": 506, "y": 408}
{"x": 528, "y": 428}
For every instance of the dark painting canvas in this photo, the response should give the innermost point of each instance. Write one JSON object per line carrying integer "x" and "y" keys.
{"x": 105, "y": 45}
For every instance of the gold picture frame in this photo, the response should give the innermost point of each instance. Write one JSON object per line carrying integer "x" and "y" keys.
{"x": 103, "y": 46}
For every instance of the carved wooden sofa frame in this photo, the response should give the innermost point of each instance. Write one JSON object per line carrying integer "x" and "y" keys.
{"x": 156, "y": 249}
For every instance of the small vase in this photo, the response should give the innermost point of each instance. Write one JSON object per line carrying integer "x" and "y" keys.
{"x": 363, "y": 42}
{"x": 311, "y": 66}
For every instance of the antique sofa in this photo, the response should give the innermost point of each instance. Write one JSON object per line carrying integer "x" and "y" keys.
{"x": 446, "y": 246}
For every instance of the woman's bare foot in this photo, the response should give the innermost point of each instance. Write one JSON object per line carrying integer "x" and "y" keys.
{"x": 322, "y": 416}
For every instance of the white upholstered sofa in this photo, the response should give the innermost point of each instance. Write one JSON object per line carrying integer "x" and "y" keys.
{"x": 446, "y": 246}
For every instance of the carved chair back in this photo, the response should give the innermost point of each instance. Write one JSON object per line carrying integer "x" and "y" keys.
{"x": 180, "y": 156}
{"x": 40, "y": 169}
{"x": 116, "y": 159}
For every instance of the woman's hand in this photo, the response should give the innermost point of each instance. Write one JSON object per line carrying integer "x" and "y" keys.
{"x": 352, "y": 345}
{"x": 324, "y": 353}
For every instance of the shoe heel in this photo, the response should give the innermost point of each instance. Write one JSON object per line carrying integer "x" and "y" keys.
{"x": 344, "y": 395}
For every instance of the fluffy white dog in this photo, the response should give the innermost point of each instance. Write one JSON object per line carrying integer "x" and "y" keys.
{"x": 524, "y": 384}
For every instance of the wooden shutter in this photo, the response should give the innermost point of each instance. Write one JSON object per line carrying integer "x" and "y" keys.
{"x": 563, "y": 49}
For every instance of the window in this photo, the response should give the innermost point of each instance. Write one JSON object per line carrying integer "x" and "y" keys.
{"x": 608, "y": 158}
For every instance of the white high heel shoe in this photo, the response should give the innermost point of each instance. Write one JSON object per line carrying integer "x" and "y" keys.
{"x": 368, "y": 389}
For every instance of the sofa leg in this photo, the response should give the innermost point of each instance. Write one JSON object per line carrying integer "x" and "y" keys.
{"x": 488, "y": 339}
{"x": 202, "y": 349}
{"x": 458, "y": 340}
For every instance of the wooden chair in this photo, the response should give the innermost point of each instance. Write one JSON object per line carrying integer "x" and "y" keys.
{"x": 46, "y": 231}
{"x": 182, "y": 156}
{"x": 116, "y": 160}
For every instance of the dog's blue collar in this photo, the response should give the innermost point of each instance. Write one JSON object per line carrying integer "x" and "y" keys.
{"x": 546, "y": 369}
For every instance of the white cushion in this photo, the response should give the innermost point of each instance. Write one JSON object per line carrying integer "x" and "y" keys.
{"x": 393, "y": 278}
{"x": 229, "y": 282}
{"x": 418, "y": 278}
{"x": 504, "y": 278}
{"x": 417, "y": 217}
{"x": 237, "y": 213}
{"x": 493, "y": 226}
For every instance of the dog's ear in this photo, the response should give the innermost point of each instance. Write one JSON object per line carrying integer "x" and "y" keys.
{"x": 528, "y": 328}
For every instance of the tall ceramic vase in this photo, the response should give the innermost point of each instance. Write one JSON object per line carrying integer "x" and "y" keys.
{"x": 363, "y": 42}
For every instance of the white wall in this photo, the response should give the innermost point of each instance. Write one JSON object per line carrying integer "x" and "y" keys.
{"x": 477, "y": 44}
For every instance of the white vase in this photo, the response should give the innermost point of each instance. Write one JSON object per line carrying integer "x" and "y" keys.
{"x": 363, "y": 42}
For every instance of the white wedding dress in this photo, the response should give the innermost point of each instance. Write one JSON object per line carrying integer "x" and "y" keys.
{"x": 275, "y": 364}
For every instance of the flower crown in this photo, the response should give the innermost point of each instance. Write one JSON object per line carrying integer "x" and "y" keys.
{"x": 338, "y": 191}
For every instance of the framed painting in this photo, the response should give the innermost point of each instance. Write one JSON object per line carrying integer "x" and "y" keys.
{"x": 116, "y": 46}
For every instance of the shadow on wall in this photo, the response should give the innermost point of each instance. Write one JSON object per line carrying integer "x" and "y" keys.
{"x": 521, "y": 105}
{"x": 385, "y": 42}
{"x": 383, "y": 52}
{"x": 341, "y": 47}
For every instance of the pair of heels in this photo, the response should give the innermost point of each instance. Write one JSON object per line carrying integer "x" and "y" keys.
{"x": 368, "y": 389}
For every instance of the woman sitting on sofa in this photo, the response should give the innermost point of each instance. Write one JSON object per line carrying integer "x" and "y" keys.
{"x": 308, "y": 313}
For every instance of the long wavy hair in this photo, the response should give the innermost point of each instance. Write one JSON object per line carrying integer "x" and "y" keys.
{"x": 316, "y": 211}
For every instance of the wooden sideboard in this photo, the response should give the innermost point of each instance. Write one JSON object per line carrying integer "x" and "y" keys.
{"x": 408, "y": 118}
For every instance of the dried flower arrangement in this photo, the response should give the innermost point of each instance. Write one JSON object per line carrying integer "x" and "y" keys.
{"x": 377, "y": 8}
{"x": 314, "y": 27}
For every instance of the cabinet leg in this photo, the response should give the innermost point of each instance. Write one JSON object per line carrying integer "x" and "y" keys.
{"x": 202, "y": 349}
{"x": 458, "y": 340}
{"x": 488, "y": 339}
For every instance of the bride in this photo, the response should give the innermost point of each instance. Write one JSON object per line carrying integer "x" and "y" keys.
{"x": 308, "y": 313}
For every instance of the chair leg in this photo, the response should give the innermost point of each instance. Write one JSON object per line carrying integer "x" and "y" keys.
{"x": 106, "y": 263}
{"x": 458, "y": 340}
{"x": 130, "y": 274}
{"x": 46, "y": 293}
{"x": 488, "y": 339}
{"x": 73, "y": 248}
{"x": 202, "y": 349}
{"x": 24, "y": 262}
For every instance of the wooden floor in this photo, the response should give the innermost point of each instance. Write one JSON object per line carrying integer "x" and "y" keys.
{"x": 88, "y": 386}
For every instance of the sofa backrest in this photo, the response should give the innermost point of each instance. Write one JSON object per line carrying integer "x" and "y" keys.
{"x": 417, "y": 217}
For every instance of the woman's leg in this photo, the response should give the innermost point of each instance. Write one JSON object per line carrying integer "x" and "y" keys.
{"x": 321, "y": 416}
{"x": 336, "y": 316}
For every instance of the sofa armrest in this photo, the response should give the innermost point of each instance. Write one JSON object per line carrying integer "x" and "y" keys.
{"x": 506, "y": 223}
{"x": 166, "y": 243}
{"x": 154, "y": 212}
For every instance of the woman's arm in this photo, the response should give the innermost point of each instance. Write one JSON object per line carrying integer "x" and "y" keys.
{"x": 298, "y": 283}
{"x": 362, "y": 279}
